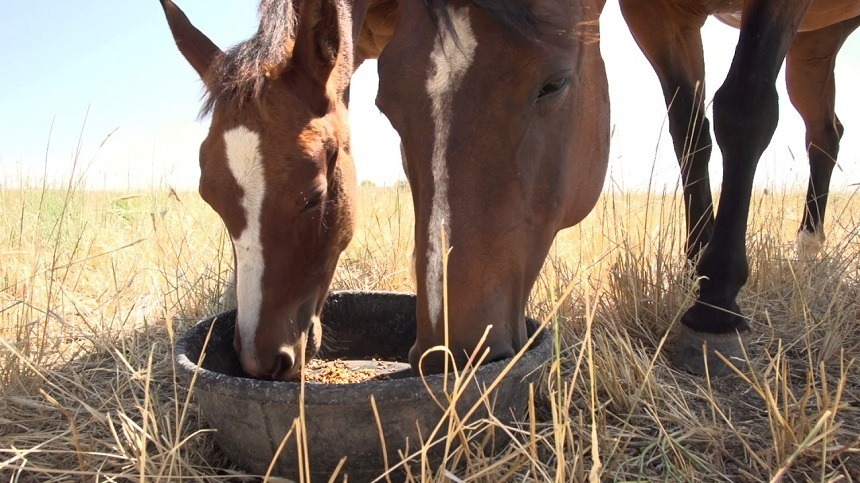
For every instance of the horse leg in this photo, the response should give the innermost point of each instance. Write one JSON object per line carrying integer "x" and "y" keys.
{"x": 675, "y": 53}
{"x": 812, "y": 90}
{"x": 746, "y": 111}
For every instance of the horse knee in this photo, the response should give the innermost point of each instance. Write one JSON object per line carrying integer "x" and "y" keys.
{"x": 745, "y": 116}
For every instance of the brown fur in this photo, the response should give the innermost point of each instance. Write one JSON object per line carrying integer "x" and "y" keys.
{"x": 745, "y": 116}
{"x": 287, "y": 85}
{"x": 519, "y": 169}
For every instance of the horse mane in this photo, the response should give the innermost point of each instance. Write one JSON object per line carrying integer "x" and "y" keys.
{"x": 239, "y": 74}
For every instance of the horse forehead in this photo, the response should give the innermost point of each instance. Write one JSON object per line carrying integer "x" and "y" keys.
{"x": 242, "y": 151}
{"x": 247, "y": 151}
{"x": 314, "y": 137}
{"x": 454, "y": 47}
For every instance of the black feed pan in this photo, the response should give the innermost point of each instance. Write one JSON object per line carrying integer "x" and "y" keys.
{"x": 252, "y": 416}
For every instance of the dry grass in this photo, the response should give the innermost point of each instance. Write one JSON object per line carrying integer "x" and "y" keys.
{"x": 96, "y": 285}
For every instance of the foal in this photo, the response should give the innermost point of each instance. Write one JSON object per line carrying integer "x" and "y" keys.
{"x": 276, "y": 167}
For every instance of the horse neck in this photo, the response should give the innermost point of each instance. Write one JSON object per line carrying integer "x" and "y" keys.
{"x": 373, "y": 25}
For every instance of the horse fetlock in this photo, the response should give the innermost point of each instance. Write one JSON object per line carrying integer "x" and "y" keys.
{"x": 699, "y": 352}
{"x": 722, "y": 276}
{"x": 809, "y": 244}
{"x": 715, "y": 316}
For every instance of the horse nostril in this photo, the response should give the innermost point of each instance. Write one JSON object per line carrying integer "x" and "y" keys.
{"x": 283, "y": 363}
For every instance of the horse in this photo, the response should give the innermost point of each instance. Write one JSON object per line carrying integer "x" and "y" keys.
{"x": 286, "y": 93}
{"x": 807, "y": 34}
{"x": 276, "y": 167}
{"x": 502, "y": 108}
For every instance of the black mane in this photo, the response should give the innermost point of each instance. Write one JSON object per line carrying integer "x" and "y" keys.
{"x": 239, "y": 75}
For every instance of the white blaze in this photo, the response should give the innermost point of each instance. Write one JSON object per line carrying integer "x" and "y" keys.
{"x": 451, "y": 57}
{"x": 246, "y": 164}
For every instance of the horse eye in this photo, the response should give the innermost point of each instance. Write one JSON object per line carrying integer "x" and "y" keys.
{"x": 312, "y": 203}
{"x": 553, "y": 87}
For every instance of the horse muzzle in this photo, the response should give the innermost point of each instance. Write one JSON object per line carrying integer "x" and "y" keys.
{"x": 278, "y": 354}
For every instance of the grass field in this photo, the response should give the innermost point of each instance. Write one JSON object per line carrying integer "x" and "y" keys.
{"x": 96, "y": 286}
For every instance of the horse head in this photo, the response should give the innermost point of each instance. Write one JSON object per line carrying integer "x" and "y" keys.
{"x": 276, "y": 167}
{"x": 502, "y": 109}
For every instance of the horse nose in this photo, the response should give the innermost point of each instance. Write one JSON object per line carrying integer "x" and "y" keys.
{"x": 251, "y": 365}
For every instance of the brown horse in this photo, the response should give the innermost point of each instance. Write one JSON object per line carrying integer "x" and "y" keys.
{"x": 502, "y": 109}
{"x": 810, "y": 33}
{"x": 522, "y": 156}
{"x": 276, "y": 167}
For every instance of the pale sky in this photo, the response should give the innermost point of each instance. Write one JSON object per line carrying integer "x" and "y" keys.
{"x": 117, "y": 59}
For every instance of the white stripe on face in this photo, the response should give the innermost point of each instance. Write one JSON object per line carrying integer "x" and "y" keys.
{"x": 246, "y": 164}
{"x": 450, "y": 60}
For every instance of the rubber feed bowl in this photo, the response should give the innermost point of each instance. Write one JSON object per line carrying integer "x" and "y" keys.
{"x": 251, "y": 417}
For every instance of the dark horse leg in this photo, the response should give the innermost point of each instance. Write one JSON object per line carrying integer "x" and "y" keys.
{"x": 809, "y": 78}
{"x": 746, "y": 111}
{"x": 675, "y": 52}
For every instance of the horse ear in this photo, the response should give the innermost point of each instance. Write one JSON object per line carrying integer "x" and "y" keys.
{"x": 192, "y": 43}
{"x": 318, "y": 38}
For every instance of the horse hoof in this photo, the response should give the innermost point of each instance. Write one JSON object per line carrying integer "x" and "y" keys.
{"x": 695, "y": 349}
